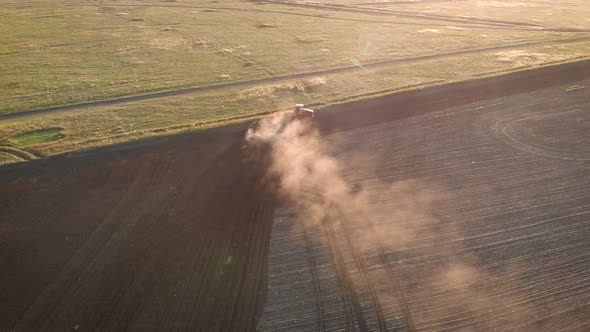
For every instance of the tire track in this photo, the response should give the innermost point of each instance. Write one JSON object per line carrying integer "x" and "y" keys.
{"x": 346, "y": 284}
{"x": 47, "y": 305}
{"x": 214, "y": 87}
{"x": 407, "y": 14}
{"x": 393, "y": 278}
{"x": 325, "y": 17}
{"x": 156, "y": 244}
{"x": 314, "y": 275}
{"x": 507, "y": 130}
{"x": 362, "y": 268}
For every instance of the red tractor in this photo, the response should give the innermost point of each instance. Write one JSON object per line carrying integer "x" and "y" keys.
{"x": 302, "y": 113}
{"x": 299, "y": 113}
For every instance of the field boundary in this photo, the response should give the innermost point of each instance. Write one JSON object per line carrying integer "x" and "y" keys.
{"x": 383, "y": 108}
{"x": 406, "y": 103}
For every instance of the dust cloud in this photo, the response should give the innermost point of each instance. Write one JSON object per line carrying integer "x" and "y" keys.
{"x": 311, "y": 180}
{"x": 309, "y": 177}
{"x": 394, "y": 220}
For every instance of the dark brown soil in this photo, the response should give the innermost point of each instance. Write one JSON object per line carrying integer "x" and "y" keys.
{"x": 136, "y": 238}
{"x": 476, "y": 218}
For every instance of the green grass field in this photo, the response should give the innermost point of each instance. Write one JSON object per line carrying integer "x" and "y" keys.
{"x": 36, "y": 137}
{"x": 77, "y": 52}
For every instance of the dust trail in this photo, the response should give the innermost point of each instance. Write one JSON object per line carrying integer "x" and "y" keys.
{"x": 310, "y": 179}
{"x": 385, "y": 224}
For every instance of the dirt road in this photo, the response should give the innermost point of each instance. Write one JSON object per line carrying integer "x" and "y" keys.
{"x": 179, "y": 92}
{"x": 491, "y": 197}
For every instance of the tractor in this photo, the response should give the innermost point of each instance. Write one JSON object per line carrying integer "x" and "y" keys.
{"x": 299, "y": 113}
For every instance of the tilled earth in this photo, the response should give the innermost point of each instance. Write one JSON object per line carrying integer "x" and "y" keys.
{"x": 475, "y": 216}
{"x": 168, "y": 235}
